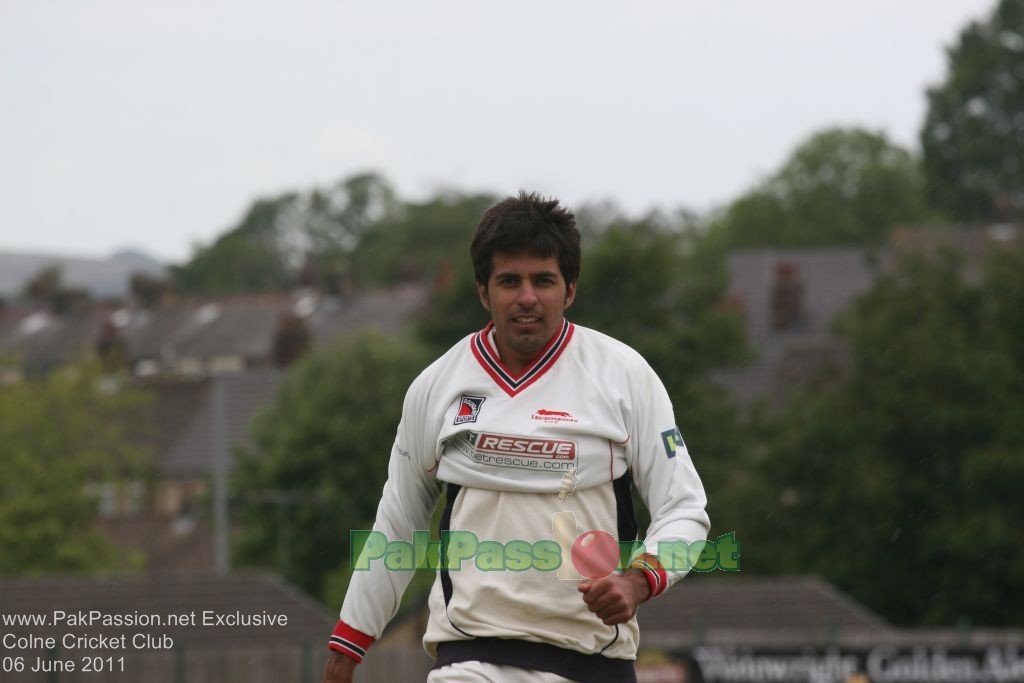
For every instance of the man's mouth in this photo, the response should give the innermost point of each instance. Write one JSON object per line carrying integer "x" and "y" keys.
{"x": 526, "y": 319}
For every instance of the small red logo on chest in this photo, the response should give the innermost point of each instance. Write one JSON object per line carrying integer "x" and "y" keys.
{"x": 544, "y": 415}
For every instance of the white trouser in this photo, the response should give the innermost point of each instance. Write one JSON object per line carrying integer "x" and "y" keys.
{"x": 481, "y": 672}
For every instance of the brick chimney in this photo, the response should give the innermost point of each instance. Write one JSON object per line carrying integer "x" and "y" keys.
{"x": 787, "y": 297}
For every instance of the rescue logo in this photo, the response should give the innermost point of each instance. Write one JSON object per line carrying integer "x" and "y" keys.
{"x": 672, "y": 440}
{"x": 469, "y": 408}
{"x": 544, "y": 415}
{"x": 520, "y": 452}
{"x": 500, "y": 444}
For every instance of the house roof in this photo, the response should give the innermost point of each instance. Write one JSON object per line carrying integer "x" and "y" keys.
{"x": 245, "y": 592}
{"x": 733, "y": 609}
{"x": 831, "y": 279}
{"x": 40, "y": 340}
{"x": 168, "y": 407}
{"x": 237, "y": 326}
{"x": 246, "y": 394}
{"x": 178, "y": 422}
{"x": 240, "y": 326}
{"x": 385, "y": 310}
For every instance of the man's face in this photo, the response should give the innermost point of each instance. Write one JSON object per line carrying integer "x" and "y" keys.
{"x": 527, "y": 297}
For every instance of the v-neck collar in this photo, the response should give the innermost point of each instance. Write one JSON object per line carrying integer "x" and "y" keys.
{"x": 499, "y": 372}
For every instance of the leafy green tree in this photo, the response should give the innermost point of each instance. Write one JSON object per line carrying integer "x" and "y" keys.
{"x": 840, "y": 186}
{"x": 454, "y": 309}
{"x": 247, "y": 258}
{"x": 337, "y": 219}
{"x": 899, "y": 483}
{"x": 306, "y": 238}
{"x": 420, "y": 240}
{"x": 973, "y": 135}
{"x": 60, "y": 434}
{"x": 637, "y": 284}
{"x": 333, "y": 224}
{"x": 646, "y": 283}
{"x": 321, "y": 458}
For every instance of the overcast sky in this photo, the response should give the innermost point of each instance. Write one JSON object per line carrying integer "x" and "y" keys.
{"x": 153, "y": 125}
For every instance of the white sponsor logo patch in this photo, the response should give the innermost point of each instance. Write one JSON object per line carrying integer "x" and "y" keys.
{"x": 520, "y": 452}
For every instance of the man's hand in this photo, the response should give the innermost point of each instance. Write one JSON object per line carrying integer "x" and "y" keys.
{"x": 615, "y": 597}
{"x": 340, "y": 669}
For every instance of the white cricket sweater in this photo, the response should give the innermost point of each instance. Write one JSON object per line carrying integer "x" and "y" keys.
{"x": 499, "y": 446}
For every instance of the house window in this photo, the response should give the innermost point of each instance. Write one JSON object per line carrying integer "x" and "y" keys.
{"x": 178, "y": 497}
{"x": 105, "y": 494}
{"x": 118, "y": 499}
{"x": 133, "y": 498}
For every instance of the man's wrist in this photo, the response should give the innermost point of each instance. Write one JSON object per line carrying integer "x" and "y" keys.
{"x": 339, "y": 669}
{"x": 653, "y": 573}
{"x": 641, "y": 587}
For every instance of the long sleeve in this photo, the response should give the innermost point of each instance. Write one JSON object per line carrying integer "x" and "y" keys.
{"x": 665, "y": 476}
{"x": 407, "y": 502}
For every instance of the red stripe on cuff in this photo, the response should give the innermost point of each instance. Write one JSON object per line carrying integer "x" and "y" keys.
{"x": 657, "y": 578}
{"x": 350, "y": 642}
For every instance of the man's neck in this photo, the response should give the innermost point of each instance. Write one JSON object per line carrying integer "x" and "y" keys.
{"x": 516, "y": 362}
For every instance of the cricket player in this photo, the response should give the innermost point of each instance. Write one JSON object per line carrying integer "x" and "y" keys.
{"x": 498, "y": 425}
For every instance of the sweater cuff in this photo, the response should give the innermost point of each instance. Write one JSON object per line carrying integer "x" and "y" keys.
{"x": 350, "y": 642}
{"x": 657, "y": 578}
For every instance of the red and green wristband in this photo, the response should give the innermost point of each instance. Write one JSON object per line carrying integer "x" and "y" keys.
{"x": 657, "y": 578}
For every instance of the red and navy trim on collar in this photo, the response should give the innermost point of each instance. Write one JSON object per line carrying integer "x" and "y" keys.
{"x": 491, "y": 363}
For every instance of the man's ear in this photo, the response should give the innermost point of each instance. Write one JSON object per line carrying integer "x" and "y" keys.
{"x": 481, "y": 290}
{"x": 570, "y": 294}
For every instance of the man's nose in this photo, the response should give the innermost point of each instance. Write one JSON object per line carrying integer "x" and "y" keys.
{"x": 527, "y": 294}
